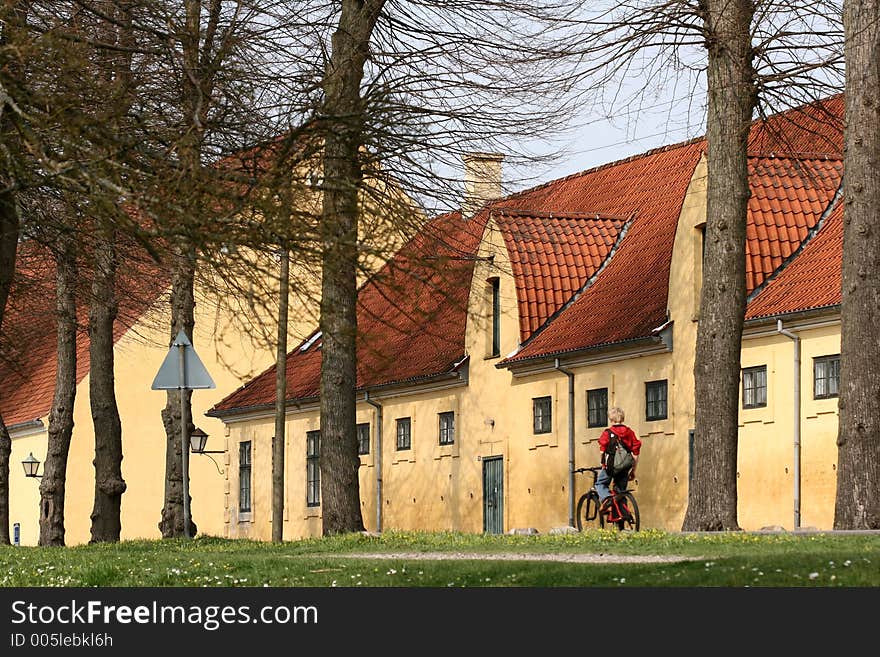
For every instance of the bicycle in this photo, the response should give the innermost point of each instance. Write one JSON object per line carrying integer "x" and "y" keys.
{"x": 623, "y": 513}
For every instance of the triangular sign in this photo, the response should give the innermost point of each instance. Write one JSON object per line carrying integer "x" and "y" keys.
{"x": 194, "y": 375}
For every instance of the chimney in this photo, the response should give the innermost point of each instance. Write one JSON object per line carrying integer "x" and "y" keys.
{"x": 482, "y": 181}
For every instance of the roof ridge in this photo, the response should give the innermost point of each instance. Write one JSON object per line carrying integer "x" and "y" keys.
{"x": 561, "y": 215}
{"x": 796, "y": 155}
{"x": 687, "y": 142}
{"x": 607, "y": 165}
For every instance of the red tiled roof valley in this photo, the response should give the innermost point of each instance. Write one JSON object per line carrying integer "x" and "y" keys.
{"x": 811, "y": 280}
{"x": 552, "y": 256}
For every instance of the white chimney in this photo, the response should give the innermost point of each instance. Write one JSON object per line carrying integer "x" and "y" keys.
{"x": 482, "y": 181}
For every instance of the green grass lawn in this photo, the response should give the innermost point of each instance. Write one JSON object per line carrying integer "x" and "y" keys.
{"x": 735, "y": 559}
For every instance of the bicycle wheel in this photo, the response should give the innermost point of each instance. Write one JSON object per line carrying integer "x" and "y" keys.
{"x": 587, "y": 508}
{"x": 635, "y": 520}
{"x": 633, "y": 523}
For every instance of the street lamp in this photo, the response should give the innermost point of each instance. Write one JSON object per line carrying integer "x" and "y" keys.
{"x": 31, "y": 466}
{"x": 197, "y": 441}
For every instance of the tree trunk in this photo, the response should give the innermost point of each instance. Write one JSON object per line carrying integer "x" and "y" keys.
{"x": 280, "y": 398}
{"x": 9, "y": 229}
{"x": 12, "y": 17}
{"x": 53, "y": 483}
{"x": 712, "y": 497}
{"x": 343, "y": 138}
{"x": 109, "y": 484}
{"x": 5, "y": 451}
{"x": 858, "y": 438}
{"x": 195, "y": 86}
{"x": 173, "y": 523}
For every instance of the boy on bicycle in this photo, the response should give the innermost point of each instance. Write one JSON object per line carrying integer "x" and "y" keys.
{"x": 628, "y": 437}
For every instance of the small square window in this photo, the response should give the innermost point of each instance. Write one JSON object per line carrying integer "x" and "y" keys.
{"x": 541, "y": 414}
{"x": 404, "y": 433}
{"x": 754, "y": 387}
{"x": 656, "y": 395}
{"x": 597, "y": 407}
{"x": 447, "y": 428}
{"x": 826, "y": 377}
{"x": 363, "y": 436}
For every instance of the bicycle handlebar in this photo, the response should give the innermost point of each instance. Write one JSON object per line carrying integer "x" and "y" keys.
{"x": 595, "y": 468}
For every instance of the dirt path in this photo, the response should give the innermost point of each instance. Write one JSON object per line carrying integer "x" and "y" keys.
{"x": 565, "y": 558}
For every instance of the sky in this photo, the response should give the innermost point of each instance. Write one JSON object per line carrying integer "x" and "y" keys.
{"x": 600, "y": 138}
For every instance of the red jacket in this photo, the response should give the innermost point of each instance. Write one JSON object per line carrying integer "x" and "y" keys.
{"x": 626, "y": 435}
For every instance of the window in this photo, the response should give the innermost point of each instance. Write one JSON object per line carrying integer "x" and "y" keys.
{"x": 447, "y": 428}
{"x": 542, "y": 409}
{"x": 495, "y": 285}
{"x": 404, "y": 433}
{"x": 826, "y": 377}
{"x": 702, "y": 229}
{"x": 656, "y": 394}
{"x": 363, "y": 435}
{"x": 244, "y": 476}
{"x": 313, "y": 468}
{"x": 754, "y": 384}
{"x": 597, "y": 407}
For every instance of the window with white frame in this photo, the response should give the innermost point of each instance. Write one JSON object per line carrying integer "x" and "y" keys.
{"x": 542, "y": 419}
{"x": 404, "y": 433}
{"x": 754, "y": 386}
{"x": 656, "y": 398}
{"x": 826, "y": 377}
{"x": 597, "y": 407}
{"x": 363, "y": 436}
{"x": 447, "y": 428}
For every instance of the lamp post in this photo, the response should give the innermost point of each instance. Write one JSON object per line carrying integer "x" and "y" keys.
{"x": 31, "y": 466}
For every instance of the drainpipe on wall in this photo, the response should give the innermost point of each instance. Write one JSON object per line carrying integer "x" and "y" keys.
{"x": 797, "y": 421}
{"x": 377, "y": 458}
{"x": 570, "y": 376}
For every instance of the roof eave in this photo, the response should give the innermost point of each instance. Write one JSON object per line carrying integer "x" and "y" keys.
{"x": 629, "y": 348}
{"x": 808, "y": 316}
{"x": 459, "y": 374}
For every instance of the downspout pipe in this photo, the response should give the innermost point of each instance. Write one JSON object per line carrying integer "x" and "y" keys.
{"x": 378, "y": 458}
{"x": 570, "y": 376}
{"x": 797, "y": 420}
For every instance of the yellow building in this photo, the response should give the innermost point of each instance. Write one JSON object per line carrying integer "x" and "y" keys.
{"x": 234, "y": 336}
{"x": 493, "y": 344}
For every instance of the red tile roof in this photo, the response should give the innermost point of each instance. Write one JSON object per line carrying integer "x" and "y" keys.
{"x": 628, "y": 299}
{"x": 815, "y": 128}
{"x": 28, "y": 362}
{"x": 811, "y": 280}
{"x": 552, "y": 256}
{"x": 410, "y": 332}
{"x": 411, "y": 318}
{"x": 789, "y": 196}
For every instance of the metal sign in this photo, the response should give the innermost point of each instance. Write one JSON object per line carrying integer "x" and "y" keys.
{"x": 182, "y": 368}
